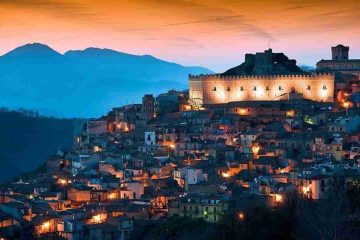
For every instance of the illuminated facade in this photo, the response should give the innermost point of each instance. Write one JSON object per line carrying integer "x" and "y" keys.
{"x": 219, "y": 89}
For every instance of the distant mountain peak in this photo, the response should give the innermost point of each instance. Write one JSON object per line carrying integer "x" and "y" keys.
{"x": 87, "y": 82}
{"x": 94, "y": 51}
{"x": 33, "y": 50}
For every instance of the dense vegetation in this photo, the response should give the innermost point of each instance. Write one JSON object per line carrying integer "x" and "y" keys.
{"x": 26, "y": 139}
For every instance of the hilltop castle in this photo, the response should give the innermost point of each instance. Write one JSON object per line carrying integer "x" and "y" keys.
{"x": 265, "y": 76}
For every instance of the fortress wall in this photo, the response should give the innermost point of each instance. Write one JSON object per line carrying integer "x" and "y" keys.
{"x": 215, "y": 89}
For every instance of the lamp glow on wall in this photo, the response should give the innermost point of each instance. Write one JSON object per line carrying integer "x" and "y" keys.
{"x": 323, "y": 92}
{"x": 259, "y": 92}
{"x": 97, "y": 218}
{"x": 45, "y": 226}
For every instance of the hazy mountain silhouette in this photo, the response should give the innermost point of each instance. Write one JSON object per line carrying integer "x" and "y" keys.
{"x": 83, "y": 83}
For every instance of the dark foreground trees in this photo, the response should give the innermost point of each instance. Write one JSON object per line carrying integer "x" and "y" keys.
{"x": 335, "y": 218}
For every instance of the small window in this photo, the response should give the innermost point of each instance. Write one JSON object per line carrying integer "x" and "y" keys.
{"x": 267, "y": 88}
{"x": 228, "y": 89}
{"x": 280, "y": 88}
{"x": 241, "y": 88}
{"x": 214, "y": 89}
{"x": 308, "y": 87}
{"x": 254, "y": 88}
{"x": 324, "y": 87}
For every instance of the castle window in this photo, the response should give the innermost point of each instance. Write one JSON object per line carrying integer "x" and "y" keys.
{"x": 254, "y": 88}
{"x": 267, "y": 88}
{"x": 241, "y": 88}
{"x": 228, "y": 89}
{"x": 308, "y": 87}
{"x": 280, "y": 88}
{"x": 214, "y": 89}
{"x": 324, "y": 87}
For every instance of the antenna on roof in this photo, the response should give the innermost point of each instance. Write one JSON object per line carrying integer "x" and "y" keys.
{"x": 269, "y": 44}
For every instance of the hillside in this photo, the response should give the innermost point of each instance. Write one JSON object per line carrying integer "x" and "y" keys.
{"x": 26, "y": 141}
{"x": 83, "y": 83}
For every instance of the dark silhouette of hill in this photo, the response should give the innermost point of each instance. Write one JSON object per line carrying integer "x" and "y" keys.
{"x": 26, "y": 141}
{"x": 84, "y": 83}
{"x": 265, "y": 63}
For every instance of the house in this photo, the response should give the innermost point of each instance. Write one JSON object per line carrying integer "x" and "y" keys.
{"x": 249, "y": 137}
{"x": 79, "y": 194}
{"x": 270, "y": 164}
{"x": 45, "y": 224}
{"x": 97, "y": 127}
{"x": 71, "y": 229}
{"x": 209, "y": 207}
{"x": 131, "y": 190}
{"x": 316, "y": 187}
{"x": 161, "y": 171}
{"x": 347, "y": 124}
{"x": 189, "y": 176}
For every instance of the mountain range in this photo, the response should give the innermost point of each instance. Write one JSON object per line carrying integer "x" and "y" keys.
{"x": 84, "y": 83}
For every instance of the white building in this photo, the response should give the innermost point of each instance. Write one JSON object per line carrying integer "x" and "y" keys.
{"x": 150, "y": 138}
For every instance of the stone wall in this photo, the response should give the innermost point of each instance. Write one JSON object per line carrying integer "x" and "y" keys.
{"x": 216, "y": 89}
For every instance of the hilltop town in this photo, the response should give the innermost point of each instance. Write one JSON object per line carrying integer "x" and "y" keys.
{"x": 264, "y": 135}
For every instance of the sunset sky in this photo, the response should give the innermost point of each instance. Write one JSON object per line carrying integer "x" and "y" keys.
{"x": 214, "y": 34}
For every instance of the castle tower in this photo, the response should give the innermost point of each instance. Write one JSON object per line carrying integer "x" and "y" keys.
{"x": 340, "y": 52}
{"x": 148, "y": 108}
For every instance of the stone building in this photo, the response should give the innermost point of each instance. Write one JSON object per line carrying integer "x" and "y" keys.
{"x": 148, "y": 107}
{"x": 209, "y": 207}
{"x": 340, "y": 62}
{"x": 264, "y": 76}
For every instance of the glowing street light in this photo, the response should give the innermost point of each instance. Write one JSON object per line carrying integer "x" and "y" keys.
{"x": 241, "y": 216}
{"x": 112, "y": 196}
{"x": 278, "y": 198}
{"x": 255, "y": 148}
{"x": 45, "y": 226}
{"x": 225, "y": 175}
{"x": 97, "y": 218}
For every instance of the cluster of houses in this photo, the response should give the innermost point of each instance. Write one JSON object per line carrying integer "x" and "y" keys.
{"x": 143, "y": 163}
{"x": 136, "y": 165}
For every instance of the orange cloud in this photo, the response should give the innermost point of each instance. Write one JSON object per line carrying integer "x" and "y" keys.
{"x": 219, "y": 32}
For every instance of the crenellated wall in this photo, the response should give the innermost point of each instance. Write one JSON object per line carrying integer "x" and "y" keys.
{"x": 215, "y": 89}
